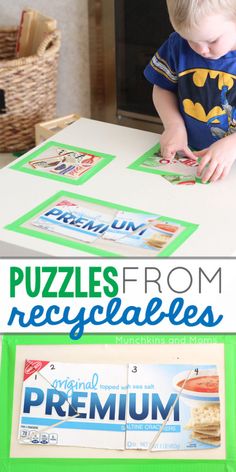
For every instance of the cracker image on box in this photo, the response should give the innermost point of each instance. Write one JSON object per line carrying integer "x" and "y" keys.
{"x": 63, "y": 162}
{"x": 103, "y": 228}
{"x": 205, "y": 424}
{"x": 120, "y": 406}
{"x": 181, "y": 170}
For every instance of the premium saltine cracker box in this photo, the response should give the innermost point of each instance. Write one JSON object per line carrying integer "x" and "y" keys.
{"x": 129, "y": 406}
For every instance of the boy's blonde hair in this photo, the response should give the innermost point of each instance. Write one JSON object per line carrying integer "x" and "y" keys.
{"x": 187, "y": 13}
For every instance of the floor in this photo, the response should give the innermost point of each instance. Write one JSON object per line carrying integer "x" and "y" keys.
{"x": 6, "y": 158}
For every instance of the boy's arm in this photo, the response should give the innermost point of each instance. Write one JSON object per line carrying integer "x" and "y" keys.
{"x": 175, "y": 136}
{"x": 166, "y": 104}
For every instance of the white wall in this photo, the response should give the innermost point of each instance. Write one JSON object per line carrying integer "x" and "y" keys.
{"x": 72, "y": 18}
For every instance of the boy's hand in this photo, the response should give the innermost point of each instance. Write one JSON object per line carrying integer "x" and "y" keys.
{"x": 217, "y": 160}
{"x": 175, "y": 139}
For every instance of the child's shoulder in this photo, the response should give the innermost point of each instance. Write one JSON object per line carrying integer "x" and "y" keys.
{"x": 178, "y": 44}
{"x": 179, "y": 53}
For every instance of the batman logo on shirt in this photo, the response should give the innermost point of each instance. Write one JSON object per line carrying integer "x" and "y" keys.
{"x": 209, "y": 96}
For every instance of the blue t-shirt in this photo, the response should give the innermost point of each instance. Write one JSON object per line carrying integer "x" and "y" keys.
{"x": 206, "y": 89}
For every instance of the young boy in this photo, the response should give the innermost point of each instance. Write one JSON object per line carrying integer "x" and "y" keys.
{"x": 194, "y": 77}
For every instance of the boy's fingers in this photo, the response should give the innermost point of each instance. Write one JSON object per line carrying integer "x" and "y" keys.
{"x": 204, "y": 161}
{"x": 225, "y": 173}
{"x": 217, "y": 174}
{"x": 168, "y": 153}
{"x": 189, "y": 153}
{"x": 209, "y": 172}
{"x": 201, "y": 153}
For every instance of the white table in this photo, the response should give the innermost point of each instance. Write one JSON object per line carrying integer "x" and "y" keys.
{"x": 211, "y": 206}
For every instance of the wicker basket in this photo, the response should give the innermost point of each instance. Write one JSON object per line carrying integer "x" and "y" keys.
{"x": 28, "y": 89}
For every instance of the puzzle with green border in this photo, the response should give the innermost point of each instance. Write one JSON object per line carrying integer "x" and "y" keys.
{"x": 19, "y": 226}
{"x": 157, "y": 464}
{"x": 139, "y": 164}
{"x": 23, "y": 164}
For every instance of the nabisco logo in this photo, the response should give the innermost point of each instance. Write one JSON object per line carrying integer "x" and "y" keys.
{"x": 33, "y": 366}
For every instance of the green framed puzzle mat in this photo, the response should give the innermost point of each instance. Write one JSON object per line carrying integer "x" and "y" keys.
{"x": 103, "y": 228}
{"x": 97, "y": 349}
{"x": 69, "y": 164}
{"x": 180, "y": 171}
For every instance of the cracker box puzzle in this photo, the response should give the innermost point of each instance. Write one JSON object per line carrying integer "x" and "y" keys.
{"x": 179, "y": 171}
{"x": 79, "y": 222}
{"x": 138, "y": 397}
{"x": 57, "y": 161}
{"x": 103, "y": 228}
{"x": 136, "y": 406}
